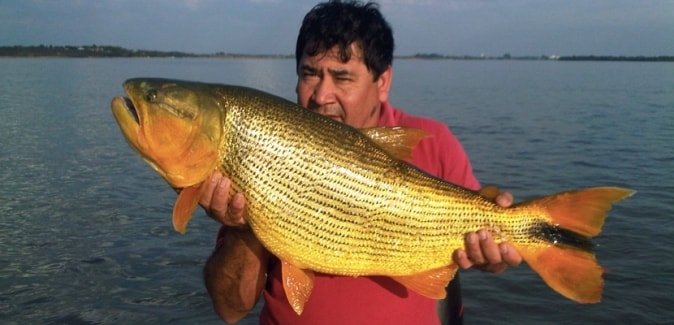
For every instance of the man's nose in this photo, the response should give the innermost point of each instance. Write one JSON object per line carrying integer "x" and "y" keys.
{"x": 324, "y": 92}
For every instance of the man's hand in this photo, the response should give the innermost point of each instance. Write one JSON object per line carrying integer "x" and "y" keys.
{"x": 483, "y": 253}
{"x": 220, "y": 204}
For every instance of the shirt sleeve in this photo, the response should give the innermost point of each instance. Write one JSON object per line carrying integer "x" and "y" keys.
{"x": 441, "y": 154}
{"x": 455, "y": 165}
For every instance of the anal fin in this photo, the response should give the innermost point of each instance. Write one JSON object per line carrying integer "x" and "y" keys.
{"x": 297, "y": 284}
{"x": 430, "y": 283}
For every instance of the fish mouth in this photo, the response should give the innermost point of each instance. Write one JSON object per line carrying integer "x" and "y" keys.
{"x": 127, "y": 116}
{"x": 130, "y": 108}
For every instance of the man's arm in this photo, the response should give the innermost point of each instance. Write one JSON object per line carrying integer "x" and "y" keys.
{"x": 235, "y": 274}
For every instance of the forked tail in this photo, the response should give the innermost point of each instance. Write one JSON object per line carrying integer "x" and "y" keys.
{"x": 568, "y": 264}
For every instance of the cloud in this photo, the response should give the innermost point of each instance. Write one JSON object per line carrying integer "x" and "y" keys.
{"x": 618, "y": 27}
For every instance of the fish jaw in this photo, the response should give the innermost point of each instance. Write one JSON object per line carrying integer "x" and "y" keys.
{"x": 175, "y": 128}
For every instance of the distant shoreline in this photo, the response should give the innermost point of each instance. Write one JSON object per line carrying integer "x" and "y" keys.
{"x": 105, "y": 51}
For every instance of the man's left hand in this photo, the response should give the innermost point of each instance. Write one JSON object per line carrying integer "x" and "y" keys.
{"x": 483, "y": 253}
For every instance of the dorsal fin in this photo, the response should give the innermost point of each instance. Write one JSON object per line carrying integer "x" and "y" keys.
{"x": 398, "y": 141}
{"x": 489, "y": 192}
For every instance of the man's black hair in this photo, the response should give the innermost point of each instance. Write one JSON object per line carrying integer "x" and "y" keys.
{"x": 343, "y": 23}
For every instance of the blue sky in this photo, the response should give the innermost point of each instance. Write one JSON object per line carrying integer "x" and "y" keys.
{"x": 453, "y": 27}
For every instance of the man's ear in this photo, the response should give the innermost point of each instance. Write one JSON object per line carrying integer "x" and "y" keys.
{"x": 384, "y": 83}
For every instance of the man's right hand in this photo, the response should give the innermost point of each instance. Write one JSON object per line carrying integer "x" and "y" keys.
{"x": 219, "y": 202}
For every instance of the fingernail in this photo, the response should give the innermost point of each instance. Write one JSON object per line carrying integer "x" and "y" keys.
{"x": 504, "y": 249}
{"x": 472, "y": 238}
{"x": 461, "y": 254}
{"x": 482, "y": 234}
{"x": 224, "y": 182}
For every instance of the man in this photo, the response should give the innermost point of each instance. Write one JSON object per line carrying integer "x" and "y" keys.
{"x": 344, "y": 58}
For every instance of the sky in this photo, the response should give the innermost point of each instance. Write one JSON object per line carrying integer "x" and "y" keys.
{"x": 447, "y": 27}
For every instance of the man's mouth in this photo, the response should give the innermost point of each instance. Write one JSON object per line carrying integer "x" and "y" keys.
{"x": 329, "y": 113}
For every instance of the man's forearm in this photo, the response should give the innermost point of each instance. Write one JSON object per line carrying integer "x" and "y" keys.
{"x": 235, "y": 274}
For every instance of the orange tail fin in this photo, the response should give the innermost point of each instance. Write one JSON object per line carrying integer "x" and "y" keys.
{"x": 568, "y": 265}
{"x": 582, "y": 211}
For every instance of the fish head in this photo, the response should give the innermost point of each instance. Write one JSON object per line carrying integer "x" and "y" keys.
{"x": 175, "y": 126}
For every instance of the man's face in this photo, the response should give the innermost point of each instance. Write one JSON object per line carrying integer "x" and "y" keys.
{"x": 345, "y": 92}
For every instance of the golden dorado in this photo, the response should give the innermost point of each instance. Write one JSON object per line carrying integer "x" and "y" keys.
{"x": 325, "y": 197}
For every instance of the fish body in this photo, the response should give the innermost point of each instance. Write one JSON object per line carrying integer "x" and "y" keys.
{"x": 325, "y": 197}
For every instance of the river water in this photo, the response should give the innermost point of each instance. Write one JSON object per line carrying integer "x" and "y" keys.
{"x": 85, "y": 231}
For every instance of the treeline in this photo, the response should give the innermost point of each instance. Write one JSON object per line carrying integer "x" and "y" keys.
{"x": 106, "y": 51}
{"x": 83, "y": 51}
{"x": 507, "y": 56}
{"x": 436, "y": 56}
{"x": 617, "y": 58}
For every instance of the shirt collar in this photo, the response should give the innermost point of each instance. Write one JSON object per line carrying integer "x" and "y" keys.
{"x": 387, "y": 115}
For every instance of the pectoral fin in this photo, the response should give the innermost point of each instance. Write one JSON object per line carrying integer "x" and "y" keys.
{"x": 297, "y": 284}
{"x": 186, "y": 203}
{"x": 398, "y": 141}
{"x": 431, "y": 283}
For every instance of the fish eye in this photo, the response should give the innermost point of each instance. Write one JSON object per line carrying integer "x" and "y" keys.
{"x": 151, "y": 95}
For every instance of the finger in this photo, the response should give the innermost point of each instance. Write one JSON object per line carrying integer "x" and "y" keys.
{"x": 236, "y": 210}
{"x": 504, "y": 199}
{"x": 490, "y": 250}
{"x": 509, "y": 255}
{"x": 220, "y": 200}
{"x": 460, "y": 258}
{"x": 473, "y": 249}
{"x": 211, "y": 183}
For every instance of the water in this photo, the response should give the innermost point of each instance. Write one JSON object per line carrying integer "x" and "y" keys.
{"x": 85, "y": 231}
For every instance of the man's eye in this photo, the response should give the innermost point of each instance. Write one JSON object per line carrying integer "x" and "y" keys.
{"x": 307, "y": 75}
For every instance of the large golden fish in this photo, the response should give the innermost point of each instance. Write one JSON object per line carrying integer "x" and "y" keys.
{"x": 322, "y": 196}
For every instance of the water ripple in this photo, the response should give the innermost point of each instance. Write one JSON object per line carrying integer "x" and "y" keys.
{"x": 86, "y": 236}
